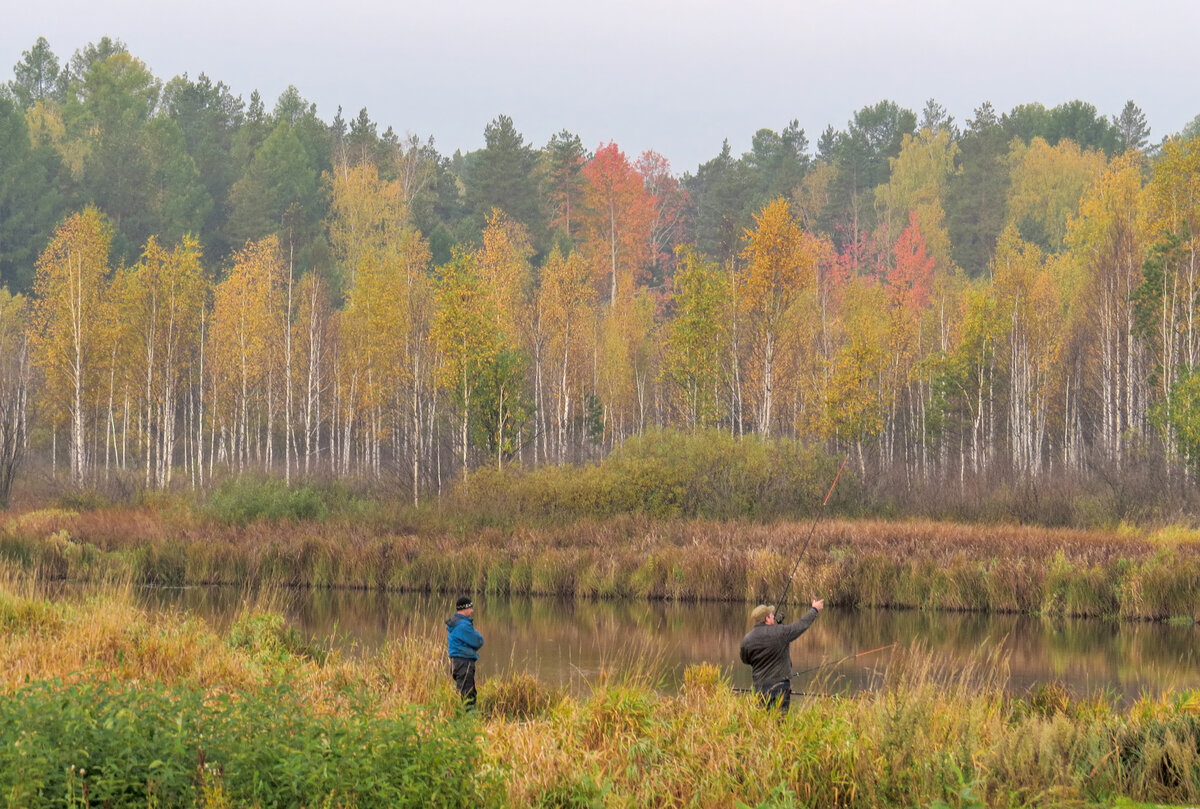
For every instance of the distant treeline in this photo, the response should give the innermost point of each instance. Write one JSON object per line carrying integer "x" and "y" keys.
{"x": 200, "y": 286}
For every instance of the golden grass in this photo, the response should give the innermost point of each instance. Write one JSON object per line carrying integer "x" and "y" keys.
{"x": 932, "y": 732}
{"x": 868, "y": 563}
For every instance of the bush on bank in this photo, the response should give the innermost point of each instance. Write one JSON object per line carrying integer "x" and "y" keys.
{"x": 664, "y": 475}
{"x": 712, "y": 474}
{"x": 707, "y": 474}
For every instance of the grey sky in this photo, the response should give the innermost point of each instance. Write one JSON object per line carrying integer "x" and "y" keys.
{"x": 675, "y": 77}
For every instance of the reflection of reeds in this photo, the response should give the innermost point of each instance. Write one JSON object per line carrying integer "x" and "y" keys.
{"x": 867, "y": 563}
{"x": 638, "y": 662}
{"x": 982, "y": 674}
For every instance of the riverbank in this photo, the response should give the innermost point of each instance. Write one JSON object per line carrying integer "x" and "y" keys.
{"x": 1137, "y": 575}
{"x": 103, "y": 702}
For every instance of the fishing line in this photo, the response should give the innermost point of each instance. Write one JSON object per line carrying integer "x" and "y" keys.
{"x": 800, "y": 693}
{"x": 816, "y": 519}
{"x": 844, "y": 659}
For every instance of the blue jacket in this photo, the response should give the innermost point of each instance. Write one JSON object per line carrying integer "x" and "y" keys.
{"x": 462, "y": 639}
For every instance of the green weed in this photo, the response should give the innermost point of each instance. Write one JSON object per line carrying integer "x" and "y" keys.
{"x": 132, "y": 745}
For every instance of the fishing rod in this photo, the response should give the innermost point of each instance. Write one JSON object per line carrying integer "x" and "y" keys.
{"x": 844, "y": 659}
{"x": 812, "y": 528}
{"x": 796, "y": 693}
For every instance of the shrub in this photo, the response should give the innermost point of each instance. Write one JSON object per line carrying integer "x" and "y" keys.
{"x": 266, "y": 636}
{"x": 23, "y": 615}
{"x": 575, "y": 791}
{"x": 661, "y": 474}
{"x": 126, "y": 745}
{"x": 702, "y": 679}
{"x": 242, "y": 501}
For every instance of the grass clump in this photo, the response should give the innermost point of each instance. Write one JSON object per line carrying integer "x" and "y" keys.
{"x": 20, "y": 615}
{"x": 517, "y": 696}
{"x": 265, "y": 636}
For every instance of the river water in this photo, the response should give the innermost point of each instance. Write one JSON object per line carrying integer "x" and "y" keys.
{"x": 573, "y": 644}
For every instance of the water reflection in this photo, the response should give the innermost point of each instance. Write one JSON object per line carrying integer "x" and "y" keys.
{"x": 572, "y": 643}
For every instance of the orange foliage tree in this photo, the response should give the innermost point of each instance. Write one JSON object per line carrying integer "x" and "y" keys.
{"x": 618, "y": 215}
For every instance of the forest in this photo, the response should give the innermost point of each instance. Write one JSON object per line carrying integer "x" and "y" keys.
{"x": 196, "y": 286}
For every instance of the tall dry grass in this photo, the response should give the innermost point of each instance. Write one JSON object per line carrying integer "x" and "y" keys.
{"x": 931, "y": 733}
{"x": 930, "y": 736}
{"x": 922, "y": 565}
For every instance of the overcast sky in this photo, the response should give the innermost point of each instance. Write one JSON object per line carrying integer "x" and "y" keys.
{"x": 675, "y": 77}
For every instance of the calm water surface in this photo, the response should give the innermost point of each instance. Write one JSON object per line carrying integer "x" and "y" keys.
{"x": 574, "y": 644}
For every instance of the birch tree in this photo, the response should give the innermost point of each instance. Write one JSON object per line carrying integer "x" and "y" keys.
{"x": 465, "y": 333}
{"x": 248, "y": 322}
{"x": 1108, "y": 244}
{"x": 697, "y": 339}
{"x": 70, "y": 288}
{"x": 1027, "y": 297}
{"x": 158, "y": 303}
{"x": 14, "y": 389}
{"x": 564, "y": 310}
{"x": 780, "y": 264}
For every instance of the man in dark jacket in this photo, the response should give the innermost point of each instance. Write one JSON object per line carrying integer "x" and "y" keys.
{"x": 463, "y": 643}
{"x": 765, "y": 650}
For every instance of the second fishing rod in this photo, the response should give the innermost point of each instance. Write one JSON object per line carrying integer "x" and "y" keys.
{"x": 816, "y": 518}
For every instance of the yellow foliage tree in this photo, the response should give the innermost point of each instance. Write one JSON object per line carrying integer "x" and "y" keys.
{"x": 248, "y": 324}
{"x": 1047, "y": 183}
{"x": 505, "y": 270}
{"x": 1171, "y": 211}
{"x": 157, "y": 304}
{"x": 780, "y": 265}
{"x": 380, "y": 358}
{"x": 697, "y": 339}
{"x": 855, "y": 404}
{"x": 1030, "y": 305}
{"x": 70, "y": 287}
{"x": 464, "y": 331}
{"x": 917, "y": 185}
{"x": 627, "y": 363}
{"x": 1109, "y": 247}
{"x": 564, "y": 310}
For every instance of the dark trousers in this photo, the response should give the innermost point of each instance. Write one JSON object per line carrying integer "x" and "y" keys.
{"x": 463, "y": 672}
{"x": 778, "y": 694}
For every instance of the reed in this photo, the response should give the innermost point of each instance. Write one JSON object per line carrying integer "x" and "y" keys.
{"x": 931, "y": 734}
{"x": 516, "y": 697}
{"x": 919, "y": 565}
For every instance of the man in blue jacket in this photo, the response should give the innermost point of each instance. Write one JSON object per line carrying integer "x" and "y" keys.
{"x": 463, "y": 644}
